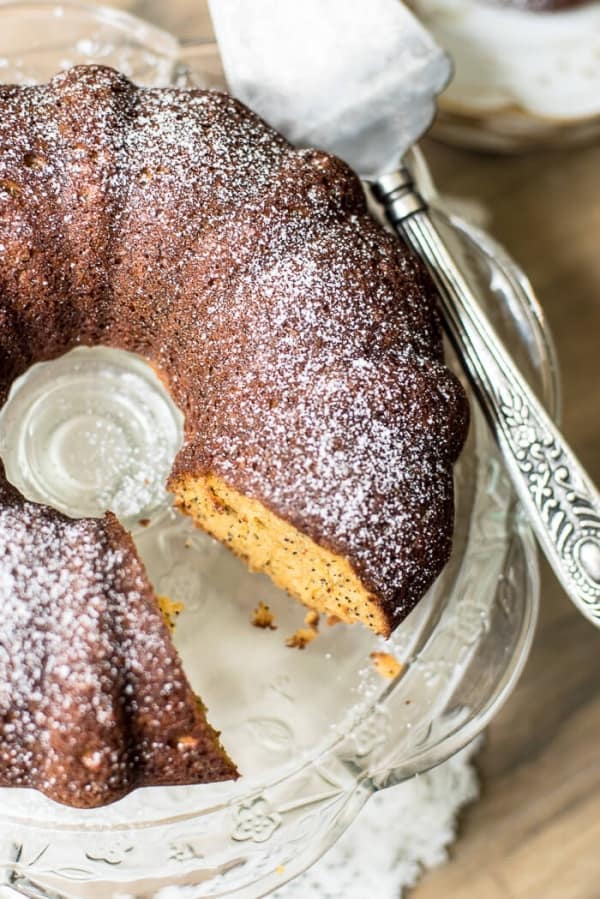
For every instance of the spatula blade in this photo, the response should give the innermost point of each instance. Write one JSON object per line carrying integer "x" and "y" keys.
{"x": 356, "y": 77}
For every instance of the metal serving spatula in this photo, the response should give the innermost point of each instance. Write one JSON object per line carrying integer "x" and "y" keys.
{"x": 360, "y": 78}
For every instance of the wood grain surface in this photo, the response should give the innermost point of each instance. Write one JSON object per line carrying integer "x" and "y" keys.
{"x": 535, "y": 833}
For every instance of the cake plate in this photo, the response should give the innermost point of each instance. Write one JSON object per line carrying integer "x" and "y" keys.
{"x": 314, "y": 732}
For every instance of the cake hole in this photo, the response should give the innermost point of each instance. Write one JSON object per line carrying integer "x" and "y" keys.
{"x": 92, "y": 431}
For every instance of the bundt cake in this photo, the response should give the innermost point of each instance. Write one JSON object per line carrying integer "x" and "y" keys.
{"x": 300, "y": 341}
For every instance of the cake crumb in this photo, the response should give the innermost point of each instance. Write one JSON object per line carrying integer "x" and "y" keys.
{"x": 386, "y": 664}
{"x": 144, "y": 522}
{"x": 302, "y": 637}
{"x": 263, "y": 617}
{"x": 311, "y": 619}
{"x": 280, "y": 869}
{"x": 305, "y": 635}
{"x": 170, "y": 610}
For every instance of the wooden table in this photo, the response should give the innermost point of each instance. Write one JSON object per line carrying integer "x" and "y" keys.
{"x": 535, "y": 833}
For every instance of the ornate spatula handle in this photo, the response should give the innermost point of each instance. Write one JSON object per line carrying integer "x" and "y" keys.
{"x": 561, "y": 502}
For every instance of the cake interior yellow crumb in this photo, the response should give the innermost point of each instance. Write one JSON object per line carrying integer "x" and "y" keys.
{"x": 262, "y": 617}
{"x": 386, "y": 664}
{"x": 305, "y": 635}
{"x": 170, "y": 610}
{"x": 313, "y": 575}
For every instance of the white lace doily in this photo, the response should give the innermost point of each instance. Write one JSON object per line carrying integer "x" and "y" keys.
{"x": 400, "y": 833}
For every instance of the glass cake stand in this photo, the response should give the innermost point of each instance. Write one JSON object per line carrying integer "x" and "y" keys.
{"x": 314, "y": 733}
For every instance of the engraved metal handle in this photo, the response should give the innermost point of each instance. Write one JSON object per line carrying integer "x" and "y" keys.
{"x": 561, "y": 502}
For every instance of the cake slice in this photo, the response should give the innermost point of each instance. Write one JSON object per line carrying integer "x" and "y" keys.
{"x": 93, "y": 698}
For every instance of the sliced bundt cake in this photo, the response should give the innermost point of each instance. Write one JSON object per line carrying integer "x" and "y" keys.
{"x": 300, "y": 341}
